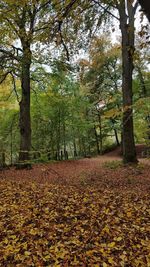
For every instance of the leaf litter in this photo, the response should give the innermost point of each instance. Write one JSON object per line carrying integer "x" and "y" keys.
{"x": 81, "y": 214}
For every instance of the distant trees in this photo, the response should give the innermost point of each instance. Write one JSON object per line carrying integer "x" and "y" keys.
{"x": 60, "y": 120}
{"x": 94, "y": 114}
{"x": 102, "y": 78}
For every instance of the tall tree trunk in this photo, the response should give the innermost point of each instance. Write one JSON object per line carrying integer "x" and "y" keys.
{"x": 127, "y": 30}
{"x": 25, "y": 118}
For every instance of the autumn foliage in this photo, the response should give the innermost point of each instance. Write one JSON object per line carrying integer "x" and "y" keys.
{"x": 75, "y": 213}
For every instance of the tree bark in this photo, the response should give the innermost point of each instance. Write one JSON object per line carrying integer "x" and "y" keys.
{"x": 25, "y": 118}
{"x": 97, "y": 141}
{"x": 127, "y": 30}
{"x": 116, "y": 136}
{"x": 115, "y": 132}
{"x": 145, "y": 4}
{"x": 100, "y": 134}
{"x": 75, "y": 147}
{"x": 2, "y": 160}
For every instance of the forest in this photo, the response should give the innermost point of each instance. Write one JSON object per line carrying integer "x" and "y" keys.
{"x": 75, "y": 133}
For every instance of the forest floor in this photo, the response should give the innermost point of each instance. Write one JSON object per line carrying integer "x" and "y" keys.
{"x": 87, "y": 212}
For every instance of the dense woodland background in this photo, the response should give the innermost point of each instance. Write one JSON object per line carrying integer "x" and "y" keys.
{"x": 74, "y": 78}
{"x": 74, "y": 84}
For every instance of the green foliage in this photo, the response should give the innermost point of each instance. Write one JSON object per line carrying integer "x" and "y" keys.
{"x": 77, "y": 109}
{"x": 115, "y": 164}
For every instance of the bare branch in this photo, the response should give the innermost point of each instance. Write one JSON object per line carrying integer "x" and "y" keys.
{"x": 17, "y": 48}
{"x": 63, "y": 42}
{"x": 4, "y": 76}
{"x": 42, "y": 28}
{"x": 135, "y": 7}
{"x": 68, "y": 8}
{"x": 9, "y": 54}
{"x": 44, "y": 5}
{"x": 106, "y": 9}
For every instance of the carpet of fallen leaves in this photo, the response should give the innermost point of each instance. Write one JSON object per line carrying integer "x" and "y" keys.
{"x": 75, "y": 213}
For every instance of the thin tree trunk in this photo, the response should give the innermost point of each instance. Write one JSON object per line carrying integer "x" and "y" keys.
{"x": 64, "y": 137}
{"x": 101, "y": 136}
{"x": 11, "y": 145}
{"x": 116, "y": 136}
{"x": 97, "y": 141}
{"x": 84, "y": 147}
{"x": 75, "y": 148}
{"x": 2, "y": 160}
{"x": 80, "y": 145}
{"x": 142, "y": 83}
{"x": 127, "y": 30}
{"x": 115, "y": 132}
{"x": 58, "y": 135}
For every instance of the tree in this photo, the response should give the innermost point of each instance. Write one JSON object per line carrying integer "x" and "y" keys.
{"x": 145, "y": 7}
{"x": 101, "y": 77}
{"x": 127, "y": 12}
{"x": 29, "y": 22}
{"x": 141, "y": 87}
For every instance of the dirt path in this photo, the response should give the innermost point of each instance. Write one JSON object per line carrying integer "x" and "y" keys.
{"x": 86, "y": 172}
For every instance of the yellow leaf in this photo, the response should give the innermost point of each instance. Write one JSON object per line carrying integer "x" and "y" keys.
{"x": 148, "y": 261}
{"x": 61, "y": 254}
{"x": 47, "y": 257}
{"x": 119, "y": 238}
{"x": 129, "y": 214}
{"x": 89, "y": 253}
{"x": 75, "y": 260}
{"x": 106, "y": 229}
{"x": 27, "y": 253}
{"x": 102, "y": 250}
{"x": 110, "y": 260}
{"x": 13, "y": 236}
{"x": 5, "y": 241}
{"x": 105, "y": 264}
{"x": 106, "y": 211}
{"x": 112, "y": 244}
{"x": 25, "y": 245}
{"x": 85, "y": 199}
{"x": 33, "y": 231}
{"x": 46, "y": 210}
